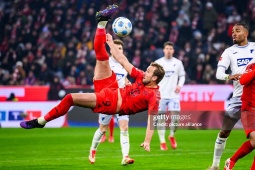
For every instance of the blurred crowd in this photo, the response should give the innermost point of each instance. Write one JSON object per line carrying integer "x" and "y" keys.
{"x": 44, "y": 39}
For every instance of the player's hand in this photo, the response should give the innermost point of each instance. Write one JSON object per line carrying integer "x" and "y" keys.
{"x": 146, "y": 146}
{"x": 178, "y": 89}
{"x": 109, "y": 38}
{"x": 234, "y": 77}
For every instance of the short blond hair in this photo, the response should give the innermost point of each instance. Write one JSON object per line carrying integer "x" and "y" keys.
{"x": 159, "y": 72}
{"x": 118, "y": 42}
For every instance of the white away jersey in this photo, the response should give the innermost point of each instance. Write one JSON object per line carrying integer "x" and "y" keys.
{"x": 237, "y": 57}
{"x": 173, "y": 70}
{"x": 120, "y": 72}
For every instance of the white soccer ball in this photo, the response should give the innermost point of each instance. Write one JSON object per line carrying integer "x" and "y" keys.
{"x": 122, "y": 26}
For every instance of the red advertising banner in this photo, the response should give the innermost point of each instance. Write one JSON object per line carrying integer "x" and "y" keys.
{"x": 25, "y": 93}
{"x": 189, "y": 93}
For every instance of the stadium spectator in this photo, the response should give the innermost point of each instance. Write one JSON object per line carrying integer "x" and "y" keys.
{"x": 56, "y": 32}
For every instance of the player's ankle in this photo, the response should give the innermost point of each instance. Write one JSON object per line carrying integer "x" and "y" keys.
{"x": 102, "y": 24}
{"x": 41, "y": 120}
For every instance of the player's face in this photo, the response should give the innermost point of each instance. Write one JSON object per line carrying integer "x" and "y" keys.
{"x": 239, "y": 34}
{"x": 119, "y": 47}
{"x": 148, "y": 76}
{"x": 168, "y": 51}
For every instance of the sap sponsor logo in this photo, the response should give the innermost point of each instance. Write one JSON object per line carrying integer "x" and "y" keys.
{"x": 2, "y": 115}
{"x": 169, "y": 73}
{"x": 243, "y": 61}
{"x": 119, "y": 76}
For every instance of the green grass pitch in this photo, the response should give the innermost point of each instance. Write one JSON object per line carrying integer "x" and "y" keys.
{"x": 68, "y": 148}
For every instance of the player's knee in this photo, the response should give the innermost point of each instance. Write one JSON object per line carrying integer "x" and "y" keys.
{"x": 252, "y": 142}
{"x": 103, "y": 128}
{"x": 252, "y": 138}
{"x": 124, "y": 127}
{"x": 224, "y": 133}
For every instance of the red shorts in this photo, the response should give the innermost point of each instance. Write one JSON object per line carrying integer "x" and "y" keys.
{"x": 106, "y": 91}
{"x": 248, "y": 121}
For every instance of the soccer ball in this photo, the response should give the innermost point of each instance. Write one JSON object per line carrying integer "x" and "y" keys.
{"x": 122, "y": 26}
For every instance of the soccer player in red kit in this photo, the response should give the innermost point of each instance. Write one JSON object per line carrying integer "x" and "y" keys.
{"x": 247, "y": 116}
{"x": 142, "y": 95}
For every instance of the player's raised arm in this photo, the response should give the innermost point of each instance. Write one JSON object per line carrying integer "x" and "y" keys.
{"x": 120, "y": 57}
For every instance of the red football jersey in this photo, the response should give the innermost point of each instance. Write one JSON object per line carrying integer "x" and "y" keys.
{"x": 137, "y": 97}
{"x": 247, "y": 79}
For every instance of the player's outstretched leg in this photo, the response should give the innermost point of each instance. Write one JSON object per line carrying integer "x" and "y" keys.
{"x": 60, "y": 110}
{"x": 102, "y": 68}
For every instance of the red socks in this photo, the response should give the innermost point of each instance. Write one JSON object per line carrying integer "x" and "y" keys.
{"x": 99, "y": 44}
{"x": 242, "y": 151}
{"x": 253, "y": 164}
{"x": 111, "y": 126}
{"x": 61, "y": 109}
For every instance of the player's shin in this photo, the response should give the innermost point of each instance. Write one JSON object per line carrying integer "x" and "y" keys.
{"x": 99, "y": 45}
{"x": 96, "y": 139}
{"x": 245, "y": 149}
{"x": 253, "y": 164}
{"x": 61, "y": 109}
{"x": 124, "y": 142}
{"x": 161, "y": 130}
{"x": 174, "y": 121}
{"x": 111, "y": 129}
{"x": 219, "y": 147}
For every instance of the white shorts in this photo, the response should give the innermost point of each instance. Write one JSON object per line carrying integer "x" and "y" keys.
{"x": 105, "y": 119}
{"x": 234, "y": 108}
{"x": 169, "y": 105}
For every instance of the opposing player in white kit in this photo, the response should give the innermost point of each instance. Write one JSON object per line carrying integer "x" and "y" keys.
{"x": 104, "y": 120}
{"x": 170, "y": 87}
{"x": 237, "y": 57}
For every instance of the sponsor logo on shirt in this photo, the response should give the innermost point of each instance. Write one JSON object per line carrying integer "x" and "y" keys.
{"x": 169, "y": 73}
{"x": 119, "y": 76}
{"x": 243, "y": 61}
{"x": 134, "y": 92}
